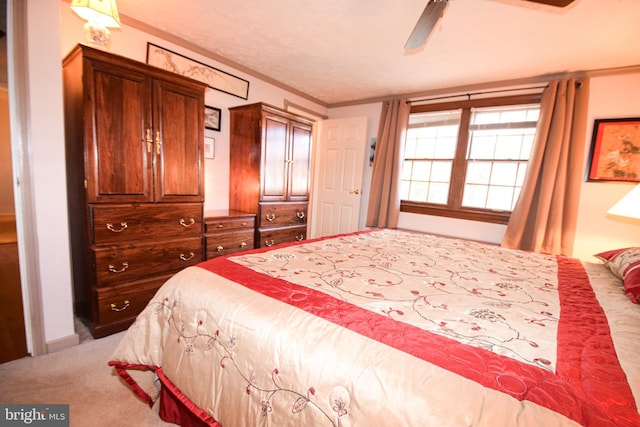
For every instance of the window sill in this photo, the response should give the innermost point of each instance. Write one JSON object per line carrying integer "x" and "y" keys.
{"x": 495, "y": 217}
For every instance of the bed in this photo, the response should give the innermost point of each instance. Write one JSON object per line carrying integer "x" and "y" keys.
{"x": 388, "y": 328}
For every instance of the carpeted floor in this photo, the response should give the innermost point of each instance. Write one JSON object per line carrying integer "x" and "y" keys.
{"x": 78, "y": 376}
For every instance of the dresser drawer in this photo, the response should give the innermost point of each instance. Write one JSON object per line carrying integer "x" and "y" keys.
{"x": 282, "y": 214}
{"x": 228, "y": 243}
{"x": 216, "y": 225}
{"x": 122, "y": 224}
{"x": 134, "y": 262}
{"x": 271, "y": 237}
{"x": 119, "y": 303}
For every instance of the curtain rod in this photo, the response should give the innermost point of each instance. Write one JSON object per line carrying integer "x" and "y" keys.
{"x": 470, "y": 94}
{"x": 578, "y": 85}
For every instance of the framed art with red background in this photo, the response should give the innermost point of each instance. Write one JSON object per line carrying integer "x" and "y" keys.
{"x": 615, "y": 150}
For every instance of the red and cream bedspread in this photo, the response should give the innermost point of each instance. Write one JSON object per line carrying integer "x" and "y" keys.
{"x": 392, "y": 328}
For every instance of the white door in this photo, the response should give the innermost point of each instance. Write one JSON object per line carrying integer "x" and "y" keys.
{"x": 337, "y": 179}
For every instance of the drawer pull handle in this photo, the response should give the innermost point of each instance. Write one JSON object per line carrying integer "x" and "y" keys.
{"x": 123, "y": 226}
{"x": 220, "y": 248}
{"x": 185, "y": 258}
{"x": 269, "y": 242}
{"x": 123, "y": 308}
{"x": 300, "y": 214}
{"x": 243, "y": 245}
{"x": 244, "y": 224}
{"x": 220, "y": 225}
{"x": 271, "y": 217}
{"x": 300, "y": 237}
{"x": 184, "y": 224}
{"x": 113, "y": 269}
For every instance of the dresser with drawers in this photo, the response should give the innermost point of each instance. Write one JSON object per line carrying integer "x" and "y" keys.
{"x": 228, "y": 231}
{"x": 135, "y": 183}
{"x": 270, "y": 166}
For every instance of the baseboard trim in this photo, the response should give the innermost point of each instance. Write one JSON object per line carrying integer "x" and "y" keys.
{"x": 62, "y": 343}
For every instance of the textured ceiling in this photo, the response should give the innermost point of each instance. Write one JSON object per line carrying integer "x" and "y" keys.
{"x": 339, "y": 51}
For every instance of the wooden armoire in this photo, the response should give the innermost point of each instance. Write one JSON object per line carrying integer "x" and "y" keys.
{"x": 135, "y": 182}
{"x": 270, "y": 162}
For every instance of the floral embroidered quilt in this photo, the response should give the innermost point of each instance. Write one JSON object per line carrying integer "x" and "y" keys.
{"x": 389, "y": 327}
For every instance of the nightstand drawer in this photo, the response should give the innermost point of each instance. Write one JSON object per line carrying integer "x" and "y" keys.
{"x": 216, "y": 225}
{"x": 228, "y": 243}
{"x": 134, "y": 262}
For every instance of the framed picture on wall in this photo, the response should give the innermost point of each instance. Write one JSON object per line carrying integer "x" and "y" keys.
{"x": 212, "y": 118}
{"x": 615, "y": 150}
{"x": 209, "y": 148}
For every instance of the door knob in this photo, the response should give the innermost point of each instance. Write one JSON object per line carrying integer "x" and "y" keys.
{"x": 356, "y": 191}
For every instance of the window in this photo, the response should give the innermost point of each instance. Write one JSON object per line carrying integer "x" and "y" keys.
{"x": 468, "y": 159}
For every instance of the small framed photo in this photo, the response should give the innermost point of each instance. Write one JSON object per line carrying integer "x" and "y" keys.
{"x": 212, "y": 118}
{"x": 209, "y": 148}
{"x": 615, "y": 150}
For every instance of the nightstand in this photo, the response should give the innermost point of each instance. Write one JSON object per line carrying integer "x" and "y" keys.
{"x": 228, "y": 231}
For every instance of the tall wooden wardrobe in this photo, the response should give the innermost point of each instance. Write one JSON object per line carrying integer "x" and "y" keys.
{"x": 135, "y": 182}
{"x": 270, "y": 164}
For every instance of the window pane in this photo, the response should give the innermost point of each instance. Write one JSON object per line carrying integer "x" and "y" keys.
{"x": 522, "y": 169}
{"x": 404, "y": 189}
{"x": 441, "y": 171}
{"x": 527, "y": 144}
{"x": 509, "y": 145}
{"x": 421, "y": 170}
{"x": 407, "y": 167}
{"x": 483, "y": 145}
{"x": 504, "y": 173}
{"x": 439, "y": 193}
{"x": 445, "y": 148}
{"x": 418, "y": 191}
{"x": 500, "y": 198}
{"x": 478, "y": 172}
{"x": 500, "y": 141}
{"x": 431, "y": 145}
{"x": 410, "y": 145}
{"x": 425, "y": 148}
{"x": 475, "y": 196}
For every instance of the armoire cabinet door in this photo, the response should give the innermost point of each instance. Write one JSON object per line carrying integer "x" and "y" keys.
{"x": 117, "y": 111}
{"x": 178, "y": 138}
{"x": 300, "y": 172}
{"x": 275, "y": 158}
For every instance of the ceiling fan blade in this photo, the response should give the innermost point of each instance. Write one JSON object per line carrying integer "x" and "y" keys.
{"x": 557, "y": 3}
{"x": 430, "y": 16}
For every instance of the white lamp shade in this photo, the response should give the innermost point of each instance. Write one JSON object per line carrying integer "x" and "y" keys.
{"x": 629, "y": 205}
{"x": 102, "y": 12}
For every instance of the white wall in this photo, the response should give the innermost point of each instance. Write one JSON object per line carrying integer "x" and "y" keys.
{"x": 610, "y": 97}
{"x": 45, "y": 154}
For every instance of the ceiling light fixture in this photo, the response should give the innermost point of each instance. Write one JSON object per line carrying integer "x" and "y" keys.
{"x": 99, "y": 14}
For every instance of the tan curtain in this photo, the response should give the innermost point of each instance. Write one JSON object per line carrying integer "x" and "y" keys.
{"x": 384, "y": 200}
{"x": 544, "y": 218}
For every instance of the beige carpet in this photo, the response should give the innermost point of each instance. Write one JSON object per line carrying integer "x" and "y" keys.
{"x": 78, "y": 376}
